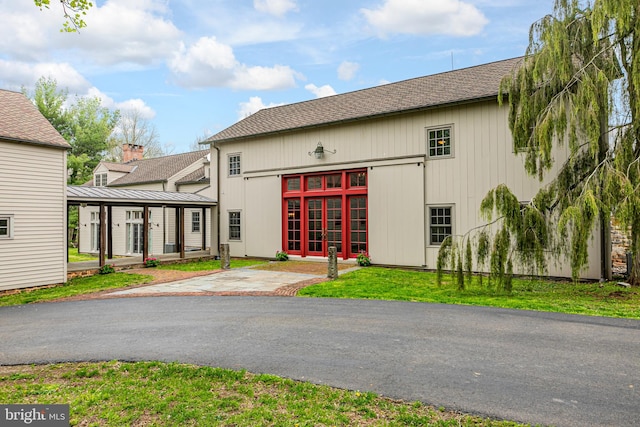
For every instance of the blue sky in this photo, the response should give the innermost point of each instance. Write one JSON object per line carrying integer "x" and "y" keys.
{"x": 193, "y": 68}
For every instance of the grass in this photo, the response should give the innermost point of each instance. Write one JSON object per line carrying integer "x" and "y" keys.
{"x": 77, "y": 286}
{"x": 74, "y": 256}
{"x": 594, "y": 299}
{"x": 159, "y": 394}
{"x": 210, "y": 264}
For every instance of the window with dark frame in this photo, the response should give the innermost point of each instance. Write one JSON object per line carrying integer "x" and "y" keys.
{"x": 195, "y": 222}
{"x": 440, "y": 224}
{"x": 5, "y": 227}
{"x": 234, "y": 225}
{"x": 439, "y": 142}
{"x": 234, "y": 164}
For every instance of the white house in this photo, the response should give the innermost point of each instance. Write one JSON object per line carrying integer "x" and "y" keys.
{"x": 391, "y": 170}
{"x": 183, "y": 173}
{"x": 33, "y": 205}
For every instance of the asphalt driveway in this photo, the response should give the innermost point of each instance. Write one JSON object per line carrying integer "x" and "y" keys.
{"x": 541, "y": 368}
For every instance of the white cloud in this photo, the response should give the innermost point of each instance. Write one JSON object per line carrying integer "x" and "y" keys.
{"x": 253, "y": 105}
{"x": 264, "y": 78}
{"x": 275, "y": 7}
{"x": 15, "y": 74}
{"x": 136, "y": 104}
{"x": 209, "y": 63}
{"x": 449, "y": 17}
{"x": 347, "y": 70}
{"x": 321, "y": 91}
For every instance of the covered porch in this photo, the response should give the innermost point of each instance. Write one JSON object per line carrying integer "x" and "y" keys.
{"x": 107, "y": 198}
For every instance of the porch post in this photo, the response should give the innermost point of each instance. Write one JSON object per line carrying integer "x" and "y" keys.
{"x": 103, "y": 236}
{"x": 182, "y": 232}
{"x": 145, "y": 234}
{"x": 110, "y": 232}
{"x": 203, "y": 228}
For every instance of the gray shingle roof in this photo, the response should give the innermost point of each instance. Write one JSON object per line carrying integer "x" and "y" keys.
{"x": 157, "y": 169}
{"x": 459, "y": 86}
{"x": 123, "y": 196}
{"x": 118, "y": 167}
{"x": 194, "y": 177}
{"x": 21, "y": 121}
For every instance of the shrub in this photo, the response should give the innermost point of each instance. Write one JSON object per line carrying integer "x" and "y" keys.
{"x": 151, "y": 262}
{"x": 282, "y": 256}
{"x": 107, "y": 269}
{"x": 363, "y": 259}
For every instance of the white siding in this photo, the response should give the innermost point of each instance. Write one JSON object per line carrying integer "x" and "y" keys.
{"x": 482, "y": 159}
{"x": 33, "y": 190}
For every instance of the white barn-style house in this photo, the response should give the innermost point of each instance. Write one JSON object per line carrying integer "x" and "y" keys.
{"x": 391, "y": 170}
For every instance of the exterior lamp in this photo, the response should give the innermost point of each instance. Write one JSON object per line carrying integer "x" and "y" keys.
{"x": 318, "y": 153}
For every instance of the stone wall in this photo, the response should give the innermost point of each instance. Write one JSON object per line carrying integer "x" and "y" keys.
{"x": 620, "y": 244}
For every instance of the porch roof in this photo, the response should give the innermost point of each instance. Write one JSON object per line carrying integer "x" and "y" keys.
{"x": 115, "y": 196}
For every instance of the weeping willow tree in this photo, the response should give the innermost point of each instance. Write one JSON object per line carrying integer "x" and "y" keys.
{"x": 579, "y": 86}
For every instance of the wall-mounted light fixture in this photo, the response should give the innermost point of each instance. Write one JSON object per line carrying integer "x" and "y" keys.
{"x": 318, "y": 153}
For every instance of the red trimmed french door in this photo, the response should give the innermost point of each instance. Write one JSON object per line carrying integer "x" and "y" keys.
{"x": 323, "y": 210}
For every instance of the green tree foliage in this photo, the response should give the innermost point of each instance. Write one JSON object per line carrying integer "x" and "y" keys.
{"x": 73, "y": 12}
{"x": 579, "y": 85}
{"x": 85, "y": 124}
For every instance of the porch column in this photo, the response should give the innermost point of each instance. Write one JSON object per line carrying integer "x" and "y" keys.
{"x": 110, "y": 232}
{"x": 103, "y": 236}
{"x": 203, "y": 228}
{"x": 182, "y": 232}
{"x": 145, "y": 234}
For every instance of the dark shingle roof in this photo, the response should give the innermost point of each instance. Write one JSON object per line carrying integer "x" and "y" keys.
{"x": 21, "y": 121}
{"x": 157, "y": 169}
{"x": 193, "y": 178}
{"x": 464, "y": 85}
{"x": 118, "y": 167}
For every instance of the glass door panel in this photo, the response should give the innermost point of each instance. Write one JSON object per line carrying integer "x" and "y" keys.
{"x": 334, "y": 223}
{"x": 315, "y": 231}
{"x": 293, "y": 225}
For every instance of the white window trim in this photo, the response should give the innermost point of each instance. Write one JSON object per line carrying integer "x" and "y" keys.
{"x": 100, "y": 179}
{"x": 239, "y": 212}
{"x": 453, "y": 222}
{"x": 451, "y": 138}
{"x": 229, "y": 156}
{"x": 10, "y": 221}
{"x": 195, "y": 222}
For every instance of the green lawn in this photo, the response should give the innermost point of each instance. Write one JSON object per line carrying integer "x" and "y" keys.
{"x": 211, "y": 264}
{"x": 159, "y": 394}
{"x": 592, "y": 299}
{"x": 74, "y": 256}
{"x": 77, "y": 286}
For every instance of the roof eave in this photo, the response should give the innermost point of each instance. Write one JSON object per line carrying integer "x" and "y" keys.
{"x": 40, "y": 143}
{"x": 357, "y": 119}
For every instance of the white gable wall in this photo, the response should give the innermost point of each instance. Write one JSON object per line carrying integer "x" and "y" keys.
{"x": 33, "y": 191}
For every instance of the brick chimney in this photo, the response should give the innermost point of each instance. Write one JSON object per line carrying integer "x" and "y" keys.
{"x": 132, "y": 152}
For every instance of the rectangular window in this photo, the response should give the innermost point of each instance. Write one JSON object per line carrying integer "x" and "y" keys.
{"x": 334, "y": 181}
{"x": 195, "y": 222}
{"x": 314, "y": 183}
{"x": 293, "y": 184}
{"x": 6, "y": 227}
{"x": 234, "y": 164}
{"x": 100, "y": 180}
{"x": 440, "y": 224}
{"x": 234, "y": 225}
{"x": 439, "y": 142}
{"x": 358, "y": 179}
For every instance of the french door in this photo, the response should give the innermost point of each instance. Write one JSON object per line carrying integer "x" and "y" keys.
{"x": 324, "y": 210}
{"x": 324, "y": 225}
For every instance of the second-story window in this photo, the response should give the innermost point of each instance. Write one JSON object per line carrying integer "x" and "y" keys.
{"x": 100, "y": 180}
{"x": 234, "y": 164}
